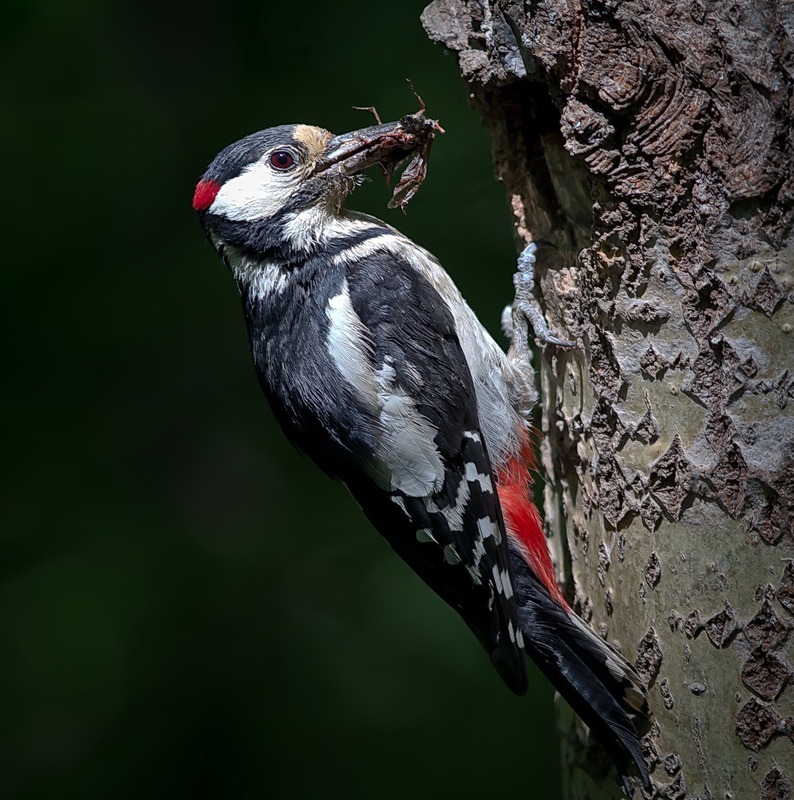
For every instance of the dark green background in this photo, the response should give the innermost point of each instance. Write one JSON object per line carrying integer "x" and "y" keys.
{"x": 190, "y": 609}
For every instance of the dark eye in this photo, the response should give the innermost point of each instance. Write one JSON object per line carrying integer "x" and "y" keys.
{"x": 281, "y": 159}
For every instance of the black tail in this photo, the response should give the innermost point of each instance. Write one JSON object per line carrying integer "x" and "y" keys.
{"x": 595, "y": 680}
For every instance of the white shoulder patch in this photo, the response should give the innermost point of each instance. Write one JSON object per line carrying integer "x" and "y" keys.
{"x": 409, "y": 448}
{"x": 349, "y": 347}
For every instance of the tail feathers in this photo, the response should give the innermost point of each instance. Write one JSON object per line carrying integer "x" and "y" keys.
{"x": 596, "y": 681}
{"x": 620, "y": 677}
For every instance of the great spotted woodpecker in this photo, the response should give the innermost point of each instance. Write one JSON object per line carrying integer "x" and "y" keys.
{"x": 375, "y": 366}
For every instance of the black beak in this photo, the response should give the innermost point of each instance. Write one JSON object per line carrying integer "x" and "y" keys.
{"x": 387, "y": 144}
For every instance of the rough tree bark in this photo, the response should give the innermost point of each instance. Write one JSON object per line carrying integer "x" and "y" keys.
{"x": 651, "y": 141}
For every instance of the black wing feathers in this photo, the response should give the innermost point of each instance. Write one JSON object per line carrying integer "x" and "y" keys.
{"x": 440, "y": 536}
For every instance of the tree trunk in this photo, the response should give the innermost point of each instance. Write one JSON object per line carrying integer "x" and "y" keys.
{"x": 651, "y": 142}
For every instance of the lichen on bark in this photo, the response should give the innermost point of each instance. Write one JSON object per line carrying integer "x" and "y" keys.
{"x": 651, "y": 142}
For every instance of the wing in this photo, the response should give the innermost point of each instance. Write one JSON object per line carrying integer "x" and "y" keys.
{"x": 429, "y": 488}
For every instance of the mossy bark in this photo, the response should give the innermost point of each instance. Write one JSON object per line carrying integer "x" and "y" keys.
{"x": 651, "y": 142}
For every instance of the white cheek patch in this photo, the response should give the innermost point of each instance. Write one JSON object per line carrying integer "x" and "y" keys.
{"x": 256, "y": 193}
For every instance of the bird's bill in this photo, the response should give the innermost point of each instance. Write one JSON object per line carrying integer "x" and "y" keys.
{"x": 386, "y": 144}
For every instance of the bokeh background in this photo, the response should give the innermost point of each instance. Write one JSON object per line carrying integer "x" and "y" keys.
{"x": 189, "y": 609}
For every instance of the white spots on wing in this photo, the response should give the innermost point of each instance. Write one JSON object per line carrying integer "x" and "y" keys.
{"x": 497, "y": 579}
{"x": 487, "y": 527}
{"x": 474, "y": 573}
{"x": 398, "y": 501}
{"x": 451, "y": 554}
{"x": 635, "y": 697}
{"x": 515, "y": 634}
{"x": 408, "y": 439}
{"x": 474, "y": 476}
{"x": 501, "y": 579}
{"x": 511, "y": 631}
{"x": 425, "y": 536}
{"x": 473, "y": 435}
{"x": 475, "y": 569}
{"x": 349, "y": 347}
{"x": 453, "y": 513}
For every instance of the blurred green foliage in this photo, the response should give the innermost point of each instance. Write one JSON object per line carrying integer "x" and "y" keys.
{"x": 189, "y": 608}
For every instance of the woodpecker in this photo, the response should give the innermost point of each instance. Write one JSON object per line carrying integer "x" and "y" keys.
{"x": 375, "y": 366}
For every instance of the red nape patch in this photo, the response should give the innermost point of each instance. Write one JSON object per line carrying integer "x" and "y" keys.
{"x": 205, "y": 193}
{"x": 522, "y": 520}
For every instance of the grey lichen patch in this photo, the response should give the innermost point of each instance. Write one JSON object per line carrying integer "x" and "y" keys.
{"x": 675, "y": 621}
{"x": 643, "y": 313}
{"x": 771, "y": 516}
{"x": 613, "y": 501}
{"x": 693, "y": 624}
{"x": 675, "y": 790}
{"x": 603, "y": 563}
{"x": 650, "y": 513}
{"x": 609, "y": 601}
{"x": 605, "y": 369}
{"x": 780, "y": 387}
{"x": 672, "y": 764}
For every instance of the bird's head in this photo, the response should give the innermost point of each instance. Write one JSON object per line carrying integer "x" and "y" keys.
{"x": 283, "y": 182}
